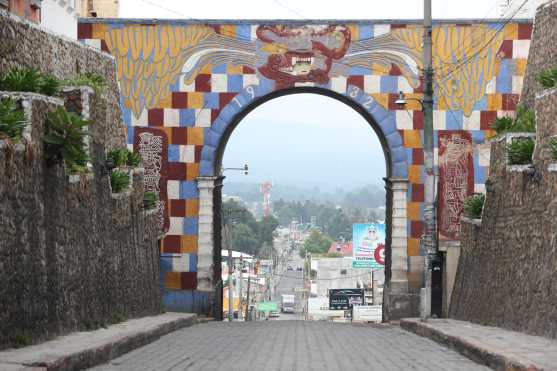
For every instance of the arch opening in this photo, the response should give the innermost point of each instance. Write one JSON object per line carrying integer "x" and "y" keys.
{"x": 395, "y": 164}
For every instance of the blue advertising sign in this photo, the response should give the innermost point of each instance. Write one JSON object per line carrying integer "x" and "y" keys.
{"x": 368, "y": 245}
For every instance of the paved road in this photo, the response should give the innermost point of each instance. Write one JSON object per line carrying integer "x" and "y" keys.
{"x": 287, "y": 282}
{"x": 290, "y": 345}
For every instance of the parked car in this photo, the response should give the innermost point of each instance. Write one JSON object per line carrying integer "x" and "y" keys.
{"x": 299, "y": 269}
{"x": 289, "y": 268}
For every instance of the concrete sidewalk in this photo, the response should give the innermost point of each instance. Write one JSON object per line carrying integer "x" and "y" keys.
{"x": 80, "y": 350}
{"x": 491, "y": 346}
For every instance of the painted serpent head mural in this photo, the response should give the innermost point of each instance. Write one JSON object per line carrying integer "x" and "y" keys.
{"x": 301, "y": 54}
{"x": 151, "y": 58}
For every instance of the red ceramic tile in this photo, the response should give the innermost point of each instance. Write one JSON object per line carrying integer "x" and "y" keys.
{"x": 416, "y": 229}
{"x": 104, "y": 47}
{"x": 506, "y": 49}
{"x": 155, "y": 117}
{"x": 509, "y": 102}
{"x": 356, "y": 81}
{"x": 176, "y": 171}
{"x": 179, "y": 135}
{"x": 178, "y": 208}
{"x": 203, "y": 83}
{"x": 486, "y": 118}
{"x": 417, "y": 156}
{"x": 179, "y": 100}
{"x": 417, "y": 193}
{"x": 418, "y": 120}
{"x": 189, "y": 280}
{"x": 248, "y": 70}
{"x": 395, "y": 71}
{"x": 198, "y": 153}
{"x": 171, "y": 244}
{"x": 84, "y": 31}
{"x": 525, "y": 31}
{"x": 393, "y": 26}
{"x": 225, "y": 98}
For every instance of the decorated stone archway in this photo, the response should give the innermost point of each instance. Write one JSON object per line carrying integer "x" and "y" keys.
{"x": 185, "y": 82}
{"x": 384, "y": 125}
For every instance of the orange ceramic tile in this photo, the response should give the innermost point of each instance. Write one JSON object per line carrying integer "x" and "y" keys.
{"x": 192, "y": 171}
{"x": 234, "y": 70}
{"x": 414, "y": 173}
{"x": 228, "y": 30}
{"x": 167, "y": 131}
{"x": 382, "y": 99}
{"x": 510, "y": 31}
{"x": 195, "y": 136}
{"x": 413, "y": 247}
{"x": 165, "y": 102}
{"x": 413, "y": 210}
{"x": 195, "y": 100}
{"x": 413, "y": 104}
{"x": 412, "y": 139}
{"x": 192, "y": 207}
{"x": 172, "y": 280}
{"x": 494, "y": 102}
{"x": 99, "y": 31}
{"x": 207, "y": 69}
{"x": 188, "y": 244}
{"x": 520, "y": 66}
{"x": 354, "y": 32}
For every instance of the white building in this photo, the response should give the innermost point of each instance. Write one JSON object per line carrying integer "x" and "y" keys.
{"x": 60, "y": 16}
{"x": 508, "y": 8}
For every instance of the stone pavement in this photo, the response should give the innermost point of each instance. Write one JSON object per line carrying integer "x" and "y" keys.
{"x": 498, "y": 348}
{"x": 84, "y": 349}
{"x": 291, "y": 345}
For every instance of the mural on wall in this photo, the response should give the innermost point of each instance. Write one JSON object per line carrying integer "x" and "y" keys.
{"x": 184, "y": 81}
{"x": 456, "y": 181}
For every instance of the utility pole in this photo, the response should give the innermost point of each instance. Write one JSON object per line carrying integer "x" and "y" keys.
{"x": 247, "y": 296}
{"x": 240, "y": 287}
{"x": 429, "y": 236}
{"x": 230, "y": 294}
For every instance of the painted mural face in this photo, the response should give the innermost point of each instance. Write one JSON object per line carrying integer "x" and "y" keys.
{"x": 301, "y": 54}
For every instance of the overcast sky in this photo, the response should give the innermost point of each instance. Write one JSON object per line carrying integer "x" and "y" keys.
{"x": 305, "y": 139}
{"x": 308, "y": 9}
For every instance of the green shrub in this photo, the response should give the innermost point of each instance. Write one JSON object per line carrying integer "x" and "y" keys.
{"x": 65, "y": 139}
{"x": 119, "y": 181}
{"x": 548, "y": 78}
{"x": 94, "y": 81}
{"x": 124, "y": 157}
{"x": 520, "y": 151}
{"x": 150, "y": 200}
{"x": 29, "y": 80}
{"x": 524, "y": 122}
{"x": 134, "y": 159}
{"x": 119, "y": 156}
{"x": 553, "y": 148}
{"x": 12, "y": 120}
{"x": 473, "y": 206}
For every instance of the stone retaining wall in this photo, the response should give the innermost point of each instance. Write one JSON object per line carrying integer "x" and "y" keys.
{"x": 73, "y": 256}
{"x": 507, "y": 272}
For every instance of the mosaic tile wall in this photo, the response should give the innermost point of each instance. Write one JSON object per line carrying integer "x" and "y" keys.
{"x": 185, "y": 81}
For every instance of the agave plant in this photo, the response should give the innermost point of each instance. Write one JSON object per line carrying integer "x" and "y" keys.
{"x": 520, "y": 151}
{"x": 65, "y": 139}
{"x": 150, "y": 200}
{"x": 29, "y": 80}
{"x": 134, "y": 159}
{"x": 548, "y": 78}
{"x": 553, "y": 148}
{"x": 25, "y": 79}
{"x": 119, "y": 181}
{"x": 473, "y": 206}
{"x": 12, "y": 120}
{"x": 96, "y": 82}
{"x": 119, "y": 156}
{"x": 524, "y": 122}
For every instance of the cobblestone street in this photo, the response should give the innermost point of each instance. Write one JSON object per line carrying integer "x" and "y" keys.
{"x": 291, "y": 345}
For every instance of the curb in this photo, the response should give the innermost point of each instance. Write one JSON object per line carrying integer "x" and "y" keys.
{"x": 103, "y": 353}
{"x": 477, "y": 352}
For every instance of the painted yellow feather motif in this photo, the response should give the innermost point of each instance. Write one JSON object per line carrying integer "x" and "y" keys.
{"x": 149, "y": 60}
{"x": 464, "y": 61}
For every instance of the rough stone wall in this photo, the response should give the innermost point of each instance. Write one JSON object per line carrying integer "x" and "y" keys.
{"x": 542, "y": 55}
{"x": 507, "y": 272}
{"x": 23, "y": 44}
{"x": 73, "y": 256}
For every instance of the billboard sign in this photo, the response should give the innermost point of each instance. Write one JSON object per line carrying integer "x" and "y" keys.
{"x": 266, "y": 306}
{"x": 368, "y": 241}
{"x": 342, "y": 299}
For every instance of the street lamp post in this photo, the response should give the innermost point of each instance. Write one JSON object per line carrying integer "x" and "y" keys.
{"x": 430, "y": 223}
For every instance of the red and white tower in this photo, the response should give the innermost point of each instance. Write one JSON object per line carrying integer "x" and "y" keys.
{"x": 265, "y": 190}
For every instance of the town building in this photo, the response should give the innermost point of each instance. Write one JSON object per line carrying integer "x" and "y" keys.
{"x": 28, "y": 9}
{"x": 98, "y": 8}
{"x": 60, "y": 17}
{"x": 516, "y": 9}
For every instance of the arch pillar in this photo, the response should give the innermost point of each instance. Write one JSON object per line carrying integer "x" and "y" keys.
{"x": 398, "y": 302}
